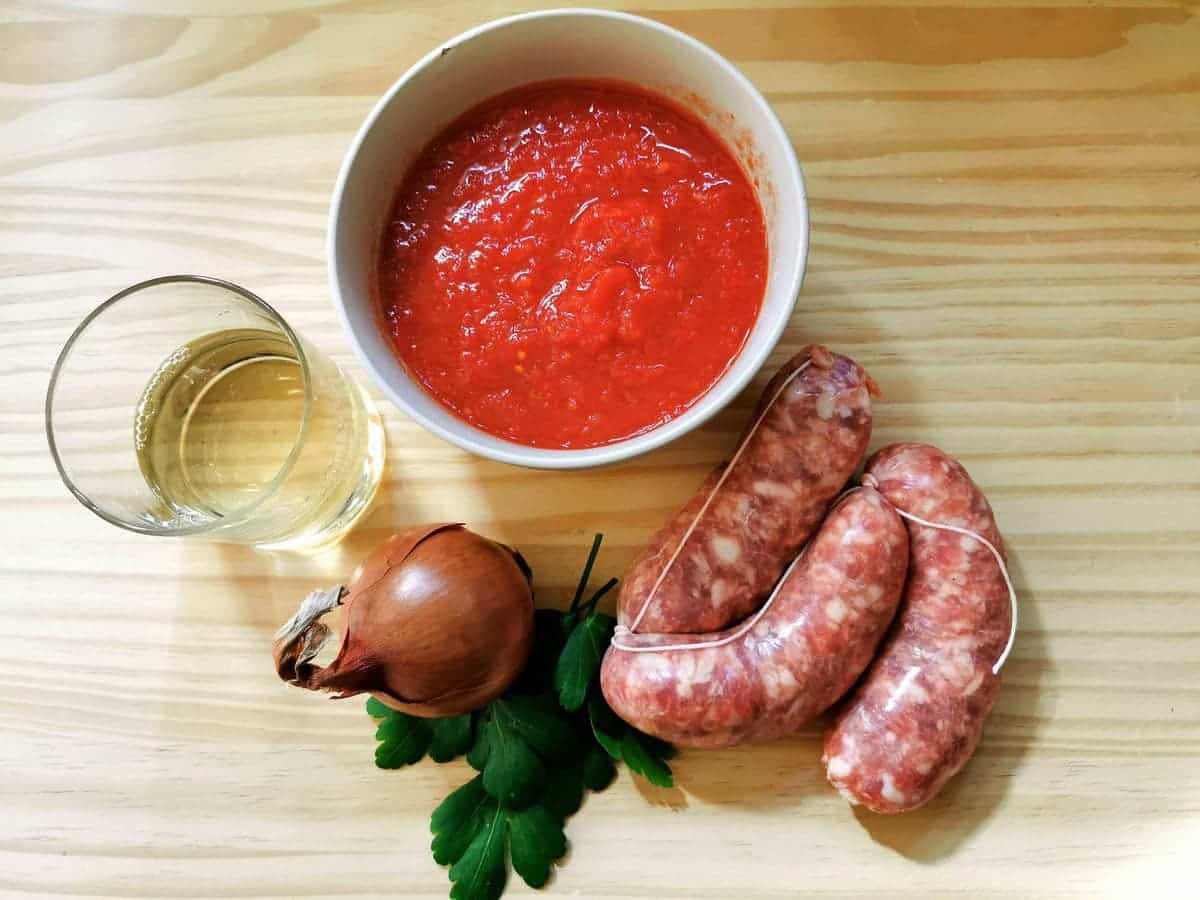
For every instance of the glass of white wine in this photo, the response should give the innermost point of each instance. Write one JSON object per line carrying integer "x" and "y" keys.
{"x": 187, "y": 406}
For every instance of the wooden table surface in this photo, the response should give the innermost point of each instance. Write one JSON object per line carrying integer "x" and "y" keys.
{"x": 1006, "y": 232}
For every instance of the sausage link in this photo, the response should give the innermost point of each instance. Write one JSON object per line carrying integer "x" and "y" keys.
{"x": 808, "y": 647}
{"x": 717, "y": 559}
{"x": 918, "y": 714}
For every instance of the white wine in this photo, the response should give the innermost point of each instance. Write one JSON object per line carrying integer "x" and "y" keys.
{"x": 226, "y": 434}
{"x": 218, "y": 421}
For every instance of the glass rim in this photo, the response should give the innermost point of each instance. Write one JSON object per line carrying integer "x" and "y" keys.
{"x": 241, "y": 514}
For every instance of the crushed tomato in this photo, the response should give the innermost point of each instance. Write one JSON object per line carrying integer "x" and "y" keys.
{"x": 572, "y": 263}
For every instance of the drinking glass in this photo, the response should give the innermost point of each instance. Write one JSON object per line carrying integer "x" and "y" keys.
{"x": 186, "y": 406}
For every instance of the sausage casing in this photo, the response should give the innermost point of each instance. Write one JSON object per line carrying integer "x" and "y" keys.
{"x": 808, "y": 647}
{"x": 718, "y": 558}
{"x": 918, "y": 714}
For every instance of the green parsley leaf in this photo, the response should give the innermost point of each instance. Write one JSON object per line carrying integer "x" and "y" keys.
{"x": 403, "y": 740}
{"x": 643, "y": 754}
{"x": 563, "y": 792}
{"x": 658, "y": 747}
{"x": 539, "y": 721}
{"x": 451, "y": 737}
{"x": 480, "y": 873}
{"x": 456, "y": 809}
{"x": 597, "y": 769}
{"x": 377, "y": 709}
{"x": 472, "y": 833}
{"x": 605, "y": 725}
{"x": 477, "y": 756}
{"x": 458, "y": 819}
{"x": 579, "y": 662}
{"x": 535, "y": 841}
{"x": 641, "y": 759}
{"x": 513, "y": 773}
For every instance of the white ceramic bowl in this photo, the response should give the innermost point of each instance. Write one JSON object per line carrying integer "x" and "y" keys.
{"x": 509, "y": 52}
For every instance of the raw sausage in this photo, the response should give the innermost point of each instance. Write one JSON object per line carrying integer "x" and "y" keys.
{"x": 717, "y": 559}
{"x": 726, "y": 548}
{"x": 918, "y": 714}
{"x": 814, "y": 639}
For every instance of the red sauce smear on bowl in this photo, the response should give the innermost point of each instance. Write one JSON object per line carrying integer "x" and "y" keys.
{"x": 572, "y": 263}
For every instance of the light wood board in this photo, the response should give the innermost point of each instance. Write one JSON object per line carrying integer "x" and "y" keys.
{"x": 1006, "y": 232}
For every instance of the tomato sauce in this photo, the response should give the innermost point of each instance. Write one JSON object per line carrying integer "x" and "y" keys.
{"x": 572, "y": 263}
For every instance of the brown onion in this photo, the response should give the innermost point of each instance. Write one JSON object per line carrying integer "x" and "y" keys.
{"x": 439, "y": 622}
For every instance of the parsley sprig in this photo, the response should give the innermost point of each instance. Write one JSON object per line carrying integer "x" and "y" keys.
{"x": 537, "y": 749}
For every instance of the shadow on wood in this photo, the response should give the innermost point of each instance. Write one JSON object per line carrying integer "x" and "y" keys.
{"x": 674, "y": 798}
{"x": 779, "y": 774}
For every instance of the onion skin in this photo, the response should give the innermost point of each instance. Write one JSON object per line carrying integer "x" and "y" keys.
{"x": 439, "y": 622}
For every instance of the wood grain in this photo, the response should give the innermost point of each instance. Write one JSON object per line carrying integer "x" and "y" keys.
{"x": 1006, "y": 215}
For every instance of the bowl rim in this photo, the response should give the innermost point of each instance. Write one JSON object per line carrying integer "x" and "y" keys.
{"x": 709, "y": 403}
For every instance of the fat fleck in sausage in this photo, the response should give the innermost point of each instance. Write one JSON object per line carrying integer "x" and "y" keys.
{"x": 717, "y": 559}
{"x": 918, "y": 714}
{"x": 809, "y": 645}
